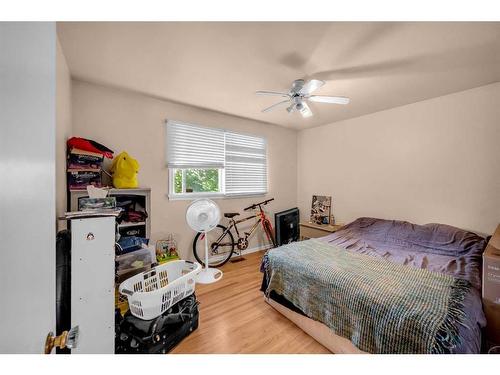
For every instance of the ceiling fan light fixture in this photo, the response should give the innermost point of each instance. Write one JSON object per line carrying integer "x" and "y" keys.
{"x": 306, "y": 112}
{"x": 300, "y": 94}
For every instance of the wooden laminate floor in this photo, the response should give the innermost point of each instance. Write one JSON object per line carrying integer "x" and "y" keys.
{"x": 234, "y": 318}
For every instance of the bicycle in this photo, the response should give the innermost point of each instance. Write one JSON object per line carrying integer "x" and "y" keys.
{"x": 221, "y": 240}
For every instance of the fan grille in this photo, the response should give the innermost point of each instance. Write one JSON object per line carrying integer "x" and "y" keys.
{"x": 203, "y": 215}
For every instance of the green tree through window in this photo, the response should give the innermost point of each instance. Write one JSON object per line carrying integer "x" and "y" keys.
{"x": 178, "y": 181}
{"x": 197, "y": 180}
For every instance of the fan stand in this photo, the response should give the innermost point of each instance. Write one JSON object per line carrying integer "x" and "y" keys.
{"x": 208, "y": 275}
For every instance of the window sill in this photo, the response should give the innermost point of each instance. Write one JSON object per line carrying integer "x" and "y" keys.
{"x": 193, "y": 196}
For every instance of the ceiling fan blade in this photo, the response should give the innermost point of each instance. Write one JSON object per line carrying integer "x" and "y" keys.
{"x": 394, "y": 66}
{"x": 311, "y": 86}
{"x": 305, "y": 111}
{"x": 275, "y": 105}
{"x": 329, "y": 99}
{"x": 273, "y": 93}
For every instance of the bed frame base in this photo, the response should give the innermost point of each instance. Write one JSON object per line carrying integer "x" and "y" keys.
{"x": 318, "y": 331}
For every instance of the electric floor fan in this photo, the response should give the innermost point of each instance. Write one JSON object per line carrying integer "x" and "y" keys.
{"x": 203, "y": 215}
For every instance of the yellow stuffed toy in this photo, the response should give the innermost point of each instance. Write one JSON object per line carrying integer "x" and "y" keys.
{"x": 124, "y": 170}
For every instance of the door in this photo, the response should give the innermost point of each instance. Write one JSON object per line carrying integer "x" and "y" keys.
{"x": 27, "y": 185}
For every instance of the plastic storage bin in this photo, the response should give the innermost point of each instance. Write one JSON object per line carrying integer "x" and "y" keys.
{"x": 153, "y": 292}
{"x": 134, "y": 262}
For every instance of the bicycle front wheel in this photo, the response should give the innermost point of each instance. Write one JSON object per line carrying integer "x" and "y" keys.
{"x": 220, "y": 246}
{"x": 268, "y": 228}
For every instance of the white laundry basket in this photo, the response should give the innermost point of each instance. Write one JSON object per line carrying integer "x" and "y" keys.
{"x": 153, "y": 292}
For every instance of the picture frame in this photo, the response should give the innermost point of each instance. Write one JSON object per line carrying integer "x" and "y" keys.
{"x": 321, "y": 209}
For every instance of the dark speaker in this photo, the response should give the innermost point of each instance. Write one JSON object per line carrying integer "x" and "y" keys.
{"x": 287, "y": 226}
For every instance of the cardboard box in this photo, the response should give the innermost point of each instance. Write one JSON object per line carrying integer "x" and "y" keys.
{"x": 492, "y": 313}
{"x": 491, "y": 286}
{"x": 80, "y": 159}
{"x": 80, "y": 179}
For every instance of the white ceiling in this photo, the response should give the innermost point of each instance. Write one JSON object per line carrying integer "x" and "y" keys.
{"x": 220, "y": 65}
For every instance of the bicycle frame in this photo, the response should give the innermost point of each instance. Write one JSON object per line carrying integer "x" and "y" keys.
{"x": 234, "y": 224}
{"x": 224, "y": 250}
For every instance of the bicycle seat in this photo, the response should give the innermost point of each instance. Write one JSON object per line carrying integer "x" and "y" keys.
{"x": 229, "y": 215}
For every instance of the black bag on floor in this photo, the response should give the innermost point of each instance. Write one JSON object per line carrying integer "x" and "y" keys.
{"x": 159, "y": 335}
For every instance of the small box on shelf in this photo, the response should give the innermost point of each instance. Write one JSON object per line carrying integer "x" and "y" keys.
{"x": 133, "y": 229}
{"x": 80, "y": 159}
{"x": 81, "y": 178}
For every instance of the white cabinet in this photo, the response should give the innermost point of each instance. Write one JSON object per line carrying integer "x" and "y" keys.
{"x": 92, "y": 283}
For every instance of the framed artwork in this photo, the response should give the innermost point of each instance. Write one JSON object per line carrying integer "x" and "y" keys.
{"x": 321, "y": 209}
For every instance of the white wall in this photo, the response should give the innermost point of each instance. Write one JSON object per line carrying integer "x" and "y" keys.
{"x": 433, "y": 161}
{"x": 27, "y": 162}
{"x": 126, "y": 121}
{"x": 63, "y": 130}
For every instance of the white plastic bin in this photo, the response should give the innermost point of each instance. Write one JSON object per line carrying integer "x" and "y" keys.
{"x": 153, "y": 292}
{"x": 134, "y": 262}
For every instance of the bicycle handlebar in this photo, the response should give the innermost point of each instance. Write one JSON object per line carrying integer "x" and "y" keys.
{"x": 258, "y": 204}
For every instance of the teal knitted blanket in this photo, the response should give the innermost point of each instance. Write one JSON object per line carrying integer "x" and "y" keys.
{"x": 382, "y": 307}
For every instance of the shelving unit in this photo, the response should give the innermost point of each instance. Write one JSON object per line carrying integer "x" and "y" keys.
{"x": 142, "y": 228}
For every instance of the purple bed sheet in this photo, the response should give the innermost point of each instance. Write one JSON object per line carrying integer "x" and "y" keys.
{"x": 436, "y": 247}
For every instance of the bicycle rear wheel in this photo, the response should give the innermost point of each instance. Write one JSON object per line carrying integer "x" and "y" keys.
{"x": 218, "y": 252}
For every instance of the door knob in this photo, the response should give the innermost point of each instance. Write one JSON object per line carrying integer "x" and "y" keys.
{"x": 67, "y": 339}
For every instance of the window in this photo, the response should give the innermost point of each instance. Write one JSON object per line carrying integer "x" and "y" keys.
{"x": 246, "y": 164}
{"x": 214, "y": 162}
{"x": 197, "y": 180}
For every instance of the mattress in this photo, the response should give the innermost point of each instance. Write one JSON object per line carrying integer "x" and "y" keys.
{"x": 436, "y": 247}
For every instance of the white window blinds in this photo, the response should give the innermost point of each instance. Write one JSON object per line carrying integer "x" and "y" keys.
{"x": 190, "y": 146}
{"x": 246, "y": 165}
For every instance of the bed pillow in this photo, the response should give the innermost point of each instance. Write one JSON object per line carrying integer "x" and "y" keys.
{"x": 432, "y": 238}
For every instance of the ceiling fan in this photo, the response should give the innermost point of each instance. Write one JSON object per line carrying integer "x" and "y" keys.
{"x": 299, "y": 94}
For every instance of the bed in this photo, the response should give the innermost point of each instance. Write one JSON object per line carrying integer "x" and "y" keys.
{"x": 419, "y": 290}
